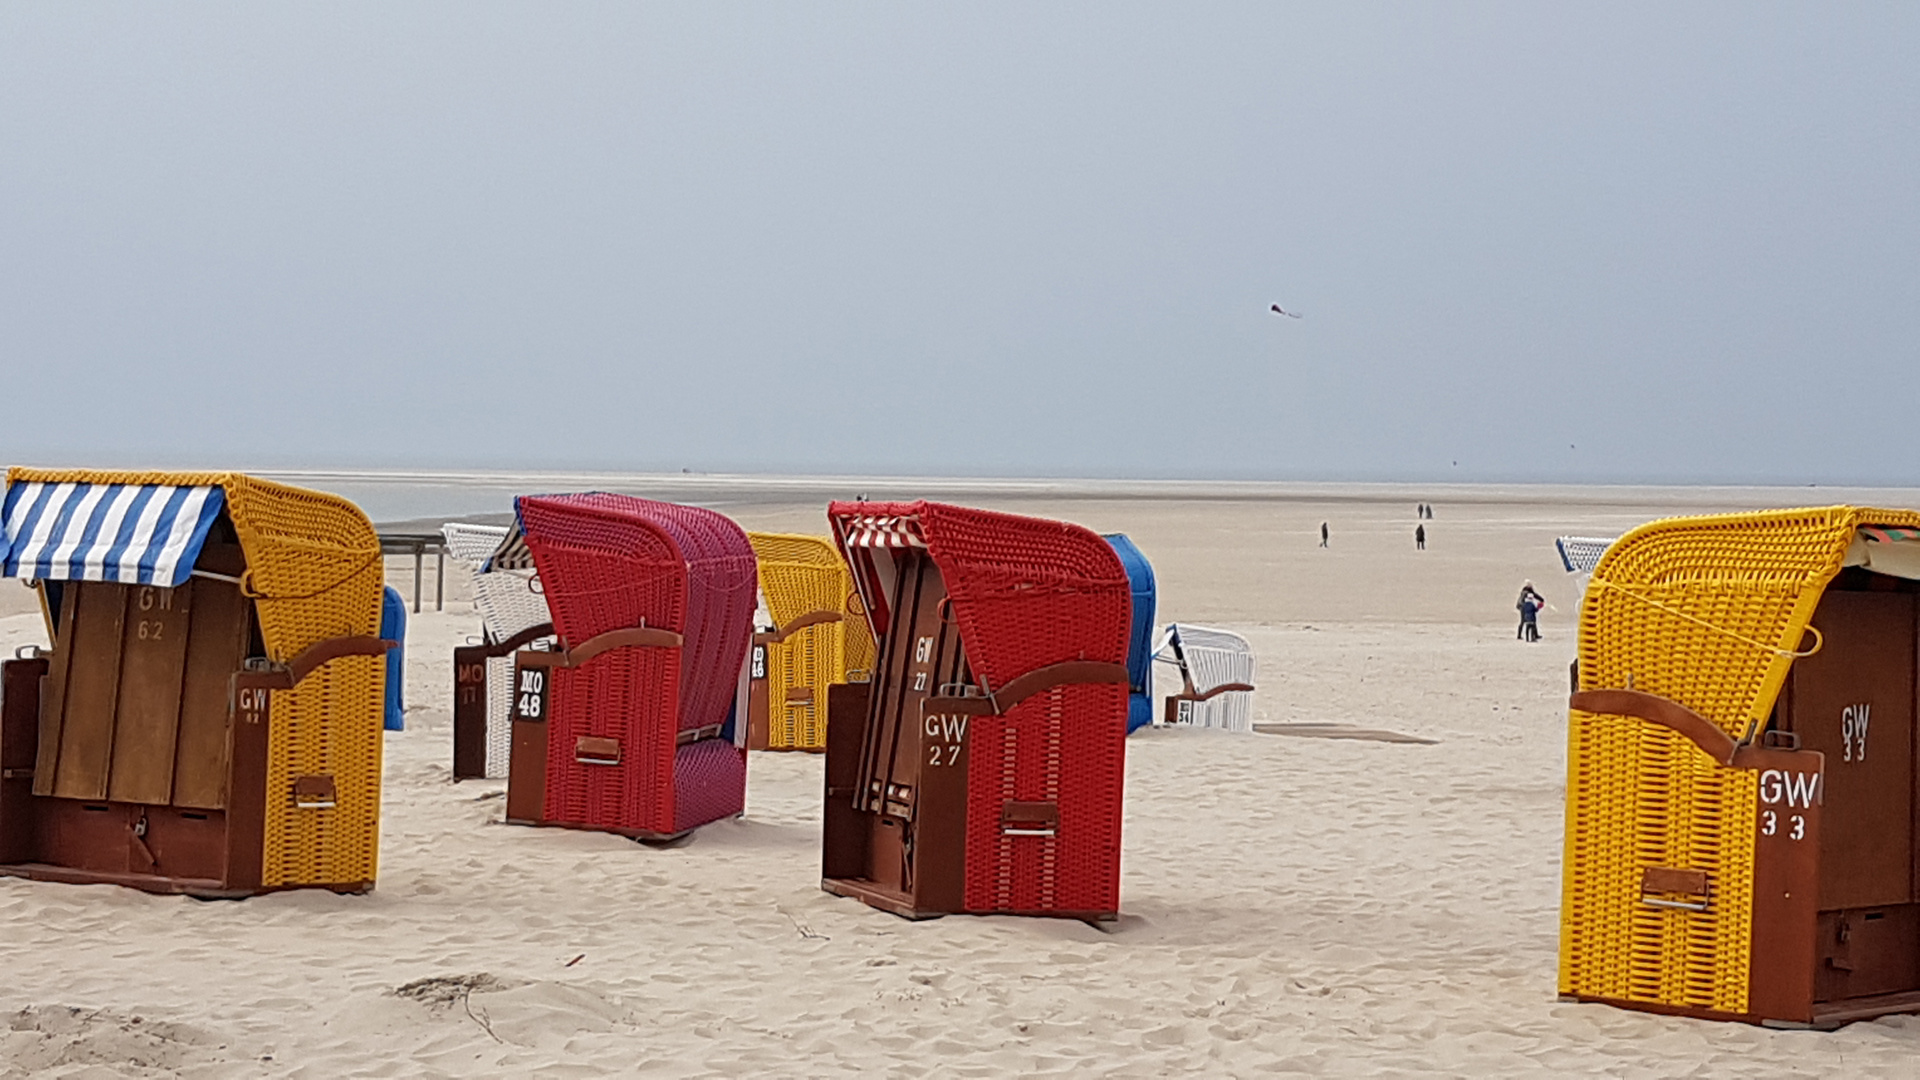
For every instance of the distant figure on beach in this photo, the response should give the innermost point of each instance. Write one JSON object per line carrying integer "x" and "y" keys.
{"x": 1529, "y": 606}
{"x": 1420, "y": 537}
{"x": 1323, "y": 534}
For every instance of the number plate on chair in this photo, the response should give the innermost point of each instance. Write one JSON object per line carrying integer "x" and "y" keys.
{"x": 530, "y": 691}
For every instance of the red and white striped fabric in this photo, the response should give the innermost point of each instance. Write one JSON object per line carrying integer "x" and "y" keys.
{"x": 883, "y": 532}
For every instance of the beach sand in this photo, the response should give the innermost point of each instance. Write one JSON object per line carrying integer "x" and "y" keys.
{"x": 1291, "y": 905}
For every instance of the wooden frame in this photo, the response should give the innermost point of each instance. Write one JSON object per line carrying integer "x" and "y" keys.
{"x": 136, "y": 752}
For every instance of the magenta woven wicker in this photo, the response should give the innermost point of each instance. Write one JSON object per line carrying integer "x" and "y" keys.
{"x": 611, "y": 562}
{"x": 1026, "y": 593}
{"x": 709, "y": 782}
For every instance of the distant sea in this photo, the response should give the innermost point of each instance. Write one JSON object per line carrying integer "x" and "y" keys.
{"x": 422, "y": 499}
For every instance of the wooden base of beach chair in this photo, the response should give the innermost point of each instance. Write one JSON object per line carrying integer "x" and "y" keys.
{"x": 470, "y": 711}
{"x": 198, "y": 888}
{"x": 201, "y": 830}
{"x": 1827, "y": 1016}
{"x": 894, "y": 902}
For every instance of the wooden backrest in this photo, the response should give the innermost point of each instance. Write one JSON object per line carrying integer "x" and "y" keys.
{"x": 135, "y": 705}
{"x": 920, "y": 653}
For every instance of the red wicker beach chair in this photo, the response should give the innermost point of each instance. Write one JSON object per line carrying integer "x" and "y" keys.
{"x": 624, "y": 726}
{"x": 981, "y": 770}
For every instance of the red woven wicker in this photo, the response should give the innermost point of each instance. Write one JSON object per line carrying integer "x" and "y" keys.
{"x": 1024, "y": 594}
{"x": 613, "y": 562}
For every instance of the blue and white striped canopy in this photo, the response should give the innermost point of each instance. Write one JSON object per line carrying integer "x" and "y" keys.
{"x": 146, "y": 534}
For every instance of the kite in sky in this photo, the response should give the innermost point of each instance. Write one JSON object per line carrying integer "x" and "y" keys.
{"x": 1283, "y": 311}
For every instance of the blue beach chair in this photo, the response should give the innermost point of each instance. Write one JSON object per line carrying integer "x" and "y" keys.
{"x": 1140, "y": 639}
{"x": 393, "y": 627}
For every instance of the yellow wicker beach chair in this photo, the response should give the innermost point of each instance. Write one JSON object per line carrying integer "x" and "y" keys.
{"x": 1741, "y": 770}
{"x": 209, "y": 718}
{"x": 819, "y": 637}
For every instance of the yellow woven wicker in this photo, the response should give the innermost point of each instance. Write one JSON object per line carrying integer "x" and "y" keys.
{"x": 314, "y": 571}
{"x": 800, "y": 575}
{"x": 1707, "y": 612}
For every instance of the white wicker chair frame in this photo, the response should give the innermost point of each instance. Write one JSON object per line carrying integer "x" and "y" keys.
{"x": 508, "y": 601}
{"x": 1580, "y": 554}
{"x": 1208, "y": 658}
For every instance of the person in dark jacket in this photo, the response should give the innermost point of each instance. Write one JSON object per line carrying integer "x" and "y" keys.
{"x": 1420, "y": 537}
{"x": 1529, "y": 606}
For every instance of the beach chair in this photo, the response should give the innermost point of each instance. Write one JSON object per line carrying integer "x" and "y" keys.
{"x": 1140, "y": 637}
{"x": 981, "y": 769}
{"x": 624, "y": 726}
{"x": 1580, "y": 554}
{"x": 513, "y": 615}
{"x": 1741, "y": 808}
{"x": 208, "y": 719}
{"x": 819, "y": 637}
{"x": 1216, "y": 677}
{"x": 393, "y": 627}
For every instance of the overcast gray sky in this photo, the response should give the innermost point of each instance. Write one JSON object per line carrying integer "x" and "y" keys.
{"x": 1653, "y": 242}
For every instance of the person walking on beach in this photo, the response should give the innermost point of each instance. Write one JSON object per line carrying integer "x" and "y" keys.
{"x": 1323, "y": 534}
{"x": 1420, "y": 537}
{"x": 1529, "y": 606}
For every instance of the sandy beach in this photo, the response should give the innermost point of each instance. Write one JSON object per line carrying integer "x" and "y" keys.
{"x": 1291, "y": 905}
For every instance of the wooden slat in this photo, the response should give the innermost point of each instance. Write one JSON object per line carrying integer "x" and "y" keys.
{"x": 92, "y": 688}
{"x": 21, "y": 683}
{"x": 247, "y": 798}
{"x": 53, "y": 700}
{"x": 147, "y": 722}
{"x": 216, "y": 647}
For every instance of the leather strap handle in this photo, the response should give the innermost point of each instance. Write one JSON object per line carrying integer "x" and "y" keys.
{"x": 525, "y": 637}
{"x": 1655, "y": 709}
{"x": 1191, "y": 694}
{"x": 290, "y": 674}
{"x": 631, "y": 637}
{"x": 1039, "y": 680}
{"x": 811, "y": 618}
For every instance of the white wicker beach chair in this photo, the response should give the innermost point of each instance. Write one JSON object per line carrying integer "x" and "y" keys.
{"x": 1580, "y": 554}
{"x": 509, "y": 602}
{"x": 1216, "y": 675}
{"x": 472, "y": 544}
